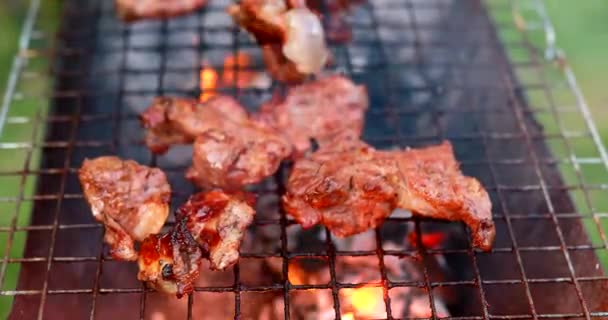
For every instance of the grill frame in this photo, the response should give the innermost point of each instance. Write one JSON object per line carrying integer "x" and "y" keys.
{"x": 67, "y": 81}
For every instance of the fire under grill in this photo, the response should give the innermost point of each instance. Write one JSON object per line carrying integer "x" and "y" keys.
{"x": 434, "y": 69}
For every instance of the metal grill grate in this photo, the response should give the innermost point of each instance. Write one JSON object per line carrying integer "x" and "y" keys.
{"x": 435, "y": 69}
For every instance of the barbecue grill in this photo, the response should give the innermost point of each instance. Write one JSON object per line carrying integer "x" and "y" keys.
{"x": 469, "y": 71}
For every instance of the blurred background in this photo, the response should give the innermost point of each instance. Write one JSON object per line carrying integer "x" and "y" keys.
{"x": 581, "y": 28}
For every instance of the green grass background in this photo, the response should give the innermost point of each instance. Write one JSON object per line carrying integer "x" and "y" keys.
{"x": 26, "y": 106}
{"x": 582, "y": 31}
{"x": 11, "y": 15}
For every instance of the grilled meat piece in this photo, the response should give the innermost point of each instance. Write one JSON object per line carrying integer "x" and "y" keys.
{"x": 346, "y": 188}
{"x": 131, "y": 10}
{"x": 218, "y": 221}
{"x": 130, "y": 199}
{"x": 317, "y": 110}
{"x": 209, "y": 223}
{"x": 233, "y": 158}
{"x": 291, "y": 36}
{"x": 279, "y": 66}
{"x": 350, "y": 187}
{"x": 170, "y": 262}
{"x": 180, "y": 120}
{"x": 434, "y": 187}
{"x": 230, "y": 150}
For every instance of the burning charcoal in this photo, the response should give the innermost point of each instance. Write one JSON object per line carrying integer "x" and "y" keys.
{"x": 357, "y": 303}
{"x": 311, "y": 305}
{"x": 363, "y": 303}
{"x": 414, "y": 302}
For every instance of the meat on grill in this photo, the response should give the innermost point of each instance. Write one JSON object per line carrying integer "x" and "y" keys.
{"x": 290, "y": 34}
{"x": 170, "y": 262}
{"x": 317, "y": 110}
{"x": 171, "y": 120}
{"x": 131, "y": 10}
{"x": 350, "y": 187}
{"x": 230, "y": 149}
{"x": 130, "y": 199}
{"x": 231, "y": 158}
{"x": 218, "y": 220}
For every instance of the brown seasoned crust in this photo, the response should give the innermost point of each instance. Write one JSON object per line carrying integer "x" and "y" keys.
{"x": 261, "y": 18}
{"x": 218, "y": 221}
{"x": 230, "y": 149}
{"x": 279, "y": 66}
{"x": 436, "y": 188}
{"x": 233, "y": 158}
{"x": 172, "y": 120}
{"x": 130, "y": 199}
{"x": 345, "y": 189}
{"x": 131, "y": 10}
{"x": 350, "y": 187}
{"x": 317, "y": 110}
{"x": 170, "y": 262}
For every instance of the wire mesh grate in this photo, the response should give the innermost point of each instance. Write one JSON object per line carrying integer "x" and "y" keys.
{"x": 440, "y": 69}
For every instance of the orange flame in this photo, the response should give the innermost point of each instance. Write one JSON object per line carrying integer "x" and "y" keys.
{"x": 232, "y": 75}
{"x": 295, "y": 274}
{"x": 208, "y": 83}
{"x": 348, "y": 316}
{"x": 366, "y": 302}
{"x": 431, "y": 240}
{"x": 234, "y": 64}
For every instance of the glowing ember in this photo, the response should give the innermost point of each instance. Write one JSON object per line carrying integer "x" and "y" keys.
{"x": 233, "y": 73}
{"x": 295, "y": 274}
{"x": 208, "y": 83}
{"x": 348, "y": 316}
{"x": 431, "y": 240}
{"x": 367, "y": 302}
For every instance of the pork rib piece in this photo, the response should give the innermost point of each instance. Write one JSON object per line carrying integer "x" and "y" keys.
{"x": 130, "y": 199}
{"x": 170, "y": 262}
{"x": 171, "y": 120}
{"x": 350, "y": 187}
{"x": 291, "y": 36}
{"x": 131, "y": 10}
{"x": 317, "y": 110}
{"x": 218, "y": 221}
